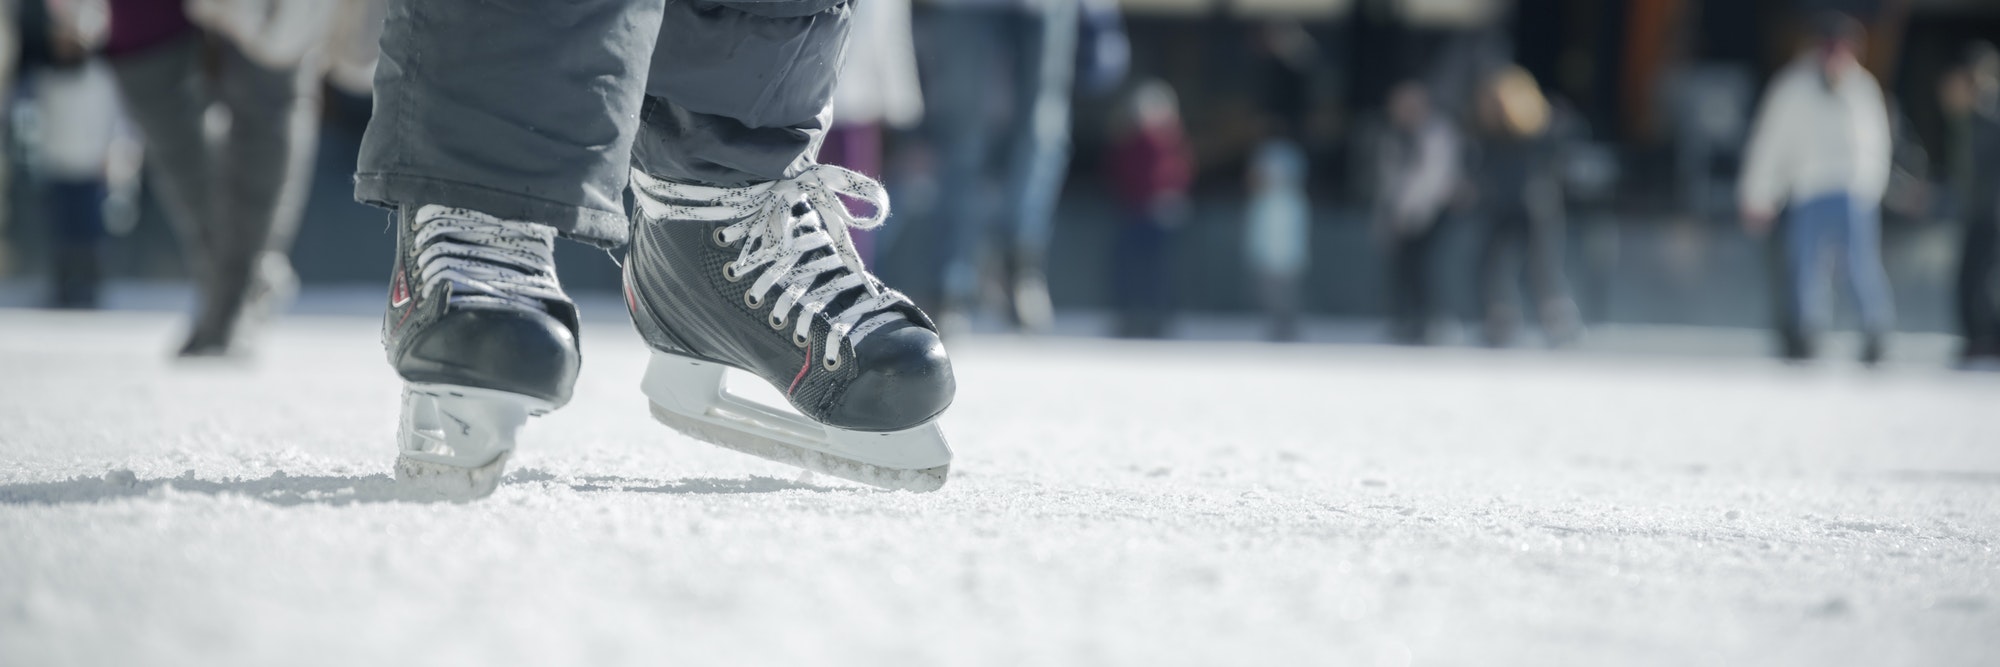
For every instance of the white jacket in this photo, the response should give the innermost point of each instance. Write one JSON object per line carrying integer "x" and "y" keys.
{"x": 1279, "y": 231}
{"x": 1812, "y": 141}
{"x": 878, "y": 79}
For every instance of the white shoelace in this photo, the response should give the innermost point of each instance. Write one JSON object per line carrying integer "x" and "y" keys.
{"x": 487, "y": 260}
{"x": 775, "y": 241}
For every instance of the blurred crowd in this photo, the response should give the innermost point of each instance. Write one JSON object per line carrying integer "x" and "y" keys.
{"x": 968, "y": 110}
{"x": 220, "y": 100}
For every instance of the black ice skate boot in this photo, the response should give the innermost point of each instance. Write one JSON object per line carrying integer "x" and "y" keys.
{"x": 484, "y": 338}
{"x": 765, "y": 279}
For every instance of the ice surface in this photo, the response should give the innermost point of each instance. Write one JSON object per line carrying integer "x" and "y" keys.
{"x": 1111, "y": 504}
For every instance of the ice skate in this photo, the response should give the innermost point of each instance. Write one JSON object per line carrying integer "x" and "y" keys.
{"x": 484, "y": 338}
{"x": 765, "y": 279}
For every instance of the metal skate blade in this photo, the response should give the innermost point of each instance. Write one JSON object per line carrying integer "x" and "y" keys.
{"x": 455, "y": 441}
{"x": 425, "y": 479}
{"x": 772, "y": 449}
{"x": 688, "y": 395}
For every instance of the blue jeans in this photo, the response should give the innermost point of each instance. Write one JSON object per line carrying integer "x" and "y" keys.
{"x": 1836, "y": 227}
{"x": 1033, "y": 53}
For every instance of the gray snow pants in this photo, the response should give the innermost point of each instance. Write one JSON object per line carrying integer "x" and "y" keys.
{"x": 537, "y": 110}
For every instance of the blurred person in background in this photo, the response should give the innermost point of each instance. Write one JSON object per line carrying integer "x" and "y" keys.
{"x": 247, "y": 72}
{"x": 1151, "y": 168}
{"x": 1419, "y": 175}
{"x": 1019, "y": 57}
{"x": 76, "y": 115}
{"x": 1520, "y": 195}
{"x": 1820, "y": 151}
{"x": 1970, "y": 98}
{"x": 1277, "y": 232}
{"x": 878, "y": 89}
{"x": 10, "y": 60}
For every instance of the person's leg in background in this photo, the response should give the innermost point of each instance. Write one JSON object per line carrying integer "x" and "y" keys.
{"x": 1038, "y": 160}
{"x": 1403, "y": 326}
{"x": 1424, "y": 278}
{"x": 1279, "y": 293}
{"x": 1124, "y": 275}
{"x": 77, "y": 208}
{"x": 1973, "y": 296}
{"x": 263, "y": 167}
{"x": 498, "y": 125}
{"x": 879, "y": 89}
{"x": 1139, "y": 290}
{"x": 1859, "y": 244}
{"x": 165, "y": 93}
{"x": 1159, "y": 271}
{"x": 10, "y": 66}
{"x": 1498, "y": 275}
{"x": 963, "y": 51}
{"x": 1792, "y": 343}
{"x": 1411, "y": 304}
{"x": 1543, "y": 250}
{"x": 1807, "y": 228}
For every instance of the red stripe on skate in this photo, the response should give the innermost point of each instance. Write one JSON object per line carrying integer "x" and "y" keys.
{"x": 399, "y": 290}
{"x": 802, "y": 372}
{"x": 399, "y": 297}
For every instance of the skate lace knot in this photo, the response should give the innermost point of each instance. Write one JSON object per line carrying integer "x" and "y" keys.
{"x": 808, "y": 259}
{"x": 486, "y": 259}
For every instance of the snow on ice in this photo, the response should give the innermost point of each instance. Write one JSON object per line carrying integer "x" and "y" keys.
{"x": 1169, "y": 503}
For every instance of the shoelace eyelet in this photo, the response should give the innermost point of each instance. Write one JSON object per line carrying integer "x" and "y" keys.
{"x": 729, "y": 273}
{"x": 776, "y": 321}
{"x": 832, "y": 363}
{"x": 752, "y": 300}
{"x": 720, "y": 242}
{"x": 802, "y": 340}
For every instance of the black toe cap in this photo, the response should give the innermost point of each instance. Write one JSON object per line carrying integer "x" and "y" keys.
{"x": 520, "y": 351}
{"x": 903, "y": 379}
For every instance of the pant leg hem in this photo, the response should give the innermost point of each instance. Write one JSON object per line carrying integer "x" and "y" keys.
{"x": 597, "y": 227}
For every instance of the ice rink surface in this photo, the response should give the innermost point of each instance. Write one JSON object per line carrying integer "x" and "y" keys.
{"x": 1140, "y": 504}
